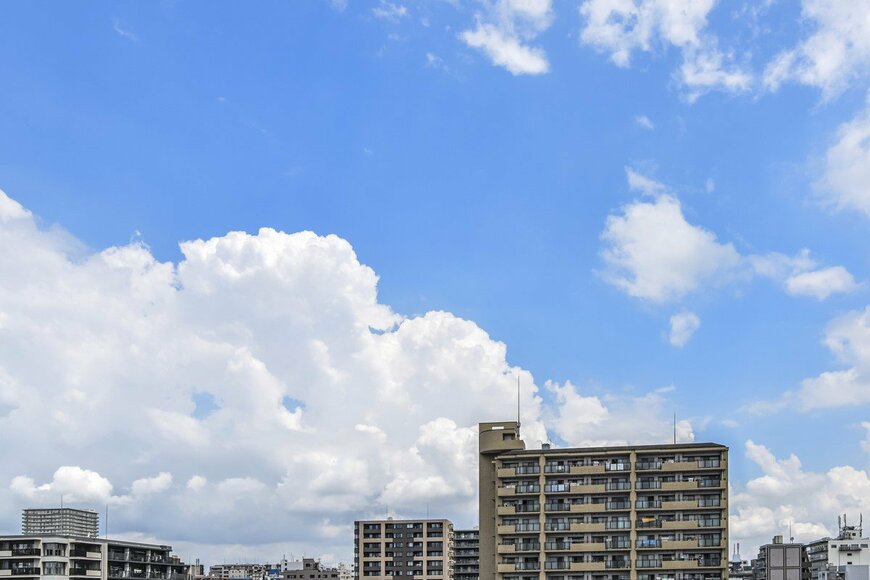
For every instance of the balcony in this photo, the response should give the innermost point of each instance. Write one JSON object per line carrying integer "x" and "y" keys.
{"x": 648, "y": 484}
{"x": 531, "y": 527}
{"x": 557, "y": 565}
{"x": 648, "y": 544}
{"x": 679, "y": 524}
{"x": 587, "y": 566}
{"x": 26, "y": 571}
{"x": 557, "y": 488}
{"x": 506, "y": 510}
{"x": 587, "y": 469}
{"x": 558, "y": 546}
{"x": 587, "y": 488}
{"x": 679, "y": 544}
{"x": 679, "y": 505}
{"x": 618, "y": 505}
{"x": 620, "y": 544}
{"x": 527, "y": 566}
{"x": 710, "y": 523}
{"x": 557, "y": 526}
{"x": 679, "y": 485}
{"x": 646, "y": 504}
{"x": 679, "y": 564}
{"x": 651, "y": 563}
{"x": 710, "y": 502}
{"x": 557, "y": 506}
{"x": 586, "y": 508}
{"x": 582, "y": 528}
{"x": 26, "y": 552}
{"x": 647, "y": 465}
{"x": 618, "y": 485}
{"x": 616, "y": 564}
{"x": 680, "y": 466}
{"x": 556, "y": 468}
{"x": 587, "y": 547}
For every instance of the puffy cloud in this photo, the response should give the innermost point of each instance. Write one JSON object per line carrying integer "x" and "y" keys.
{"x": 584, "y": 420}
{"x": 848, "y": 337}
{"x": 622, "y": 27}
{"x": 504, "y": 31}
{"x": 652, "y": 252}
{"x": 835, "y": 54}
{"x": 785, "y": 494}
{"x": 683, "y": 326}
{"x": 324, "y": 404}
{"x": 845, "y": 184}
{"x": 821, "y": 283}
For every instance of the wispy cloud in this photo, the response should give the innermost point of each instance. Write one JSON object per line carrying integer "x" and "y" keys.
{"x": 389, "y": 11}
{"x": 116, "y": 26}
{"x": 645, "y": 122}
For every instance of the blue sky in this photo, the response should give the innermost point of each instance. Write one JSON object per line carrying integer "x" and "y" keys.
{"x": 483, "y": 187}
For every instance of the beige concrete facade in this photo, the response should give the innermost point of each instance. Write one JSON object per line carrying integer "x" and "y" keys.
{"x": 403, "y": 549}
{"x": 651, "y": 512}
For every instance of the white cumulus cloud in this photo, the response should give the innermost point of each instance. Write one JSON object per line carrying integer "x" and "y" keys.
{"x": 683, "y": 326}
{"x": 505, "y": 29}
{"x": 845, "y": 184}
{"x": 821, "y": 283}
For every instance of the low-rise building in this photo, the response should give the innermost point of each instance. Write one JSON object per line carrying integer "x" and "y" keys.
{"x": 781, "y": 561}
{"x": 830, "y": 557}
{"x": 33, "y": 556}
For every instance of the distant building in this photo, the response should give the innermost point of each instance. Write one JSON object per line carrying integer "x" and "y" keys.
{"x": 738, "y": 568}
{"x": 60, "y": 522}
{"x": 466, "y": 554}
{"x": 422, "y": 549}
{"x": 239, "y": 571}
{"x": 33, "y": 556}
{"x": 781, "y": 561}
{"x": 842, "y": 558}
{"x": 636, "y": 512}
{"x": 310, "y": 569}
{"x": 345, "y": 572}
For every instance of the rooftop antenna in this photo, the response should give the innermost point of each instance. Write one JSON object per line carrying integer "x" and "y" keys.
{"x": 675, "y": 428}
{"x": 518, "y": 406}
{"x": 107, "y": 521}
{"x": 790, "y": 537}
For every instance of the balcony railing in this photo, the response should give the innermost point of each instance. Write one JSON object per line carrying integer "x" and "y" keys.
{"x": 646, "y": 563}
{"x": 617, "y": 525}
{"x": 25, "y": 571}
{"x": 557, "y": 506}
{"x": 648, "y": 503}
{"x": 618, "y": 505}
{"x": 528, "y": 566}
{"x": 557, "y": 487}
{"x": 614, "y": 466}
{"x": 529, "y": 488}
{"x": 710, "y": 502}
{"x": 617, "y": 485}
{"x": 557, "y": 565}
{"x": 527, "y": 547}
{"x": 26, "y": 552}
{"x": 530, "y": 527}
{"x": 527, "y": 469}
{"x": 649, "y": 543}
{"x": 709, "y": 463}
{"x": 556, "y": 468}
{"x": 709, "y": 523}
{"x": 620, "y": 544}
{"x": 649, "y": 524}
{"x": 523, "y": 508}
{"x": 709, "y": 482}
{"x": 556, "y": 526}
{"x": 557, "y": 545}
{"x": 616, "y": 563}
{"x": 648, "y": 484}
{"x": 646, "y": 465}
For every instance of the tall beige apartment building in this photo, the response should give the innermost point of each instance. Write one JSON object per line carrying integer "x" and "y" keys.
{"x": 645, "y": 512}
{"x": 418, "y": 549}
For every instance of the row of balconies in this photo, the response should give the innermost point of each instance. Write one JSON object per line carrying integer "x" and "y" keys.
{"x": 609, "y": 487}
{"x": 613, "y": 467}
{"x": 581, "y": 528}
{"x": 533, "y": 546}
{"x": 687, "y": 564}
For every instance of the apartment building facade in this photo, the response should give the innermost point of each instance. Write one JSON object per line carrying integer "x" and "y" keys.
{"x": 419, "y": 549}
{"x": 60, "y": 522}
{"x": 466, "y": 554}
{"x": 653, "y": 512}
{"x": 830, "y": 558}
{"x": 30, "y": 557}
{"x": 779, "y": 560}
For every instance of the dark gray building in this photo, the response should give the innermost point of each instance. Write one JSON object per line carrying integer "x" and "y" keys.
{"x": 466, "y": 554}
{"x": 781, "y": 561}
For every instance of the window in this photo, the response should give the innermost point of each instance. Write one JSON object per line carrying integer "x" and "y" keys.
{"x": 507, "y": 437}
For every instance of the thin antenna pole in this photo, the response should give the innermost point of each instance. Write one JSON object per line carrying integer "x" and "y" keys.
{"x": 518, "y": 406}
{"x": 107, "y": 521}
{"x": 675, "y": 428}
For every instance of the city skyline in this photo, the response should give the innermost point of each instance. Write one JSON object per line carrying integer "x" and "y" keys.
{"x": 263, "y": 271}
